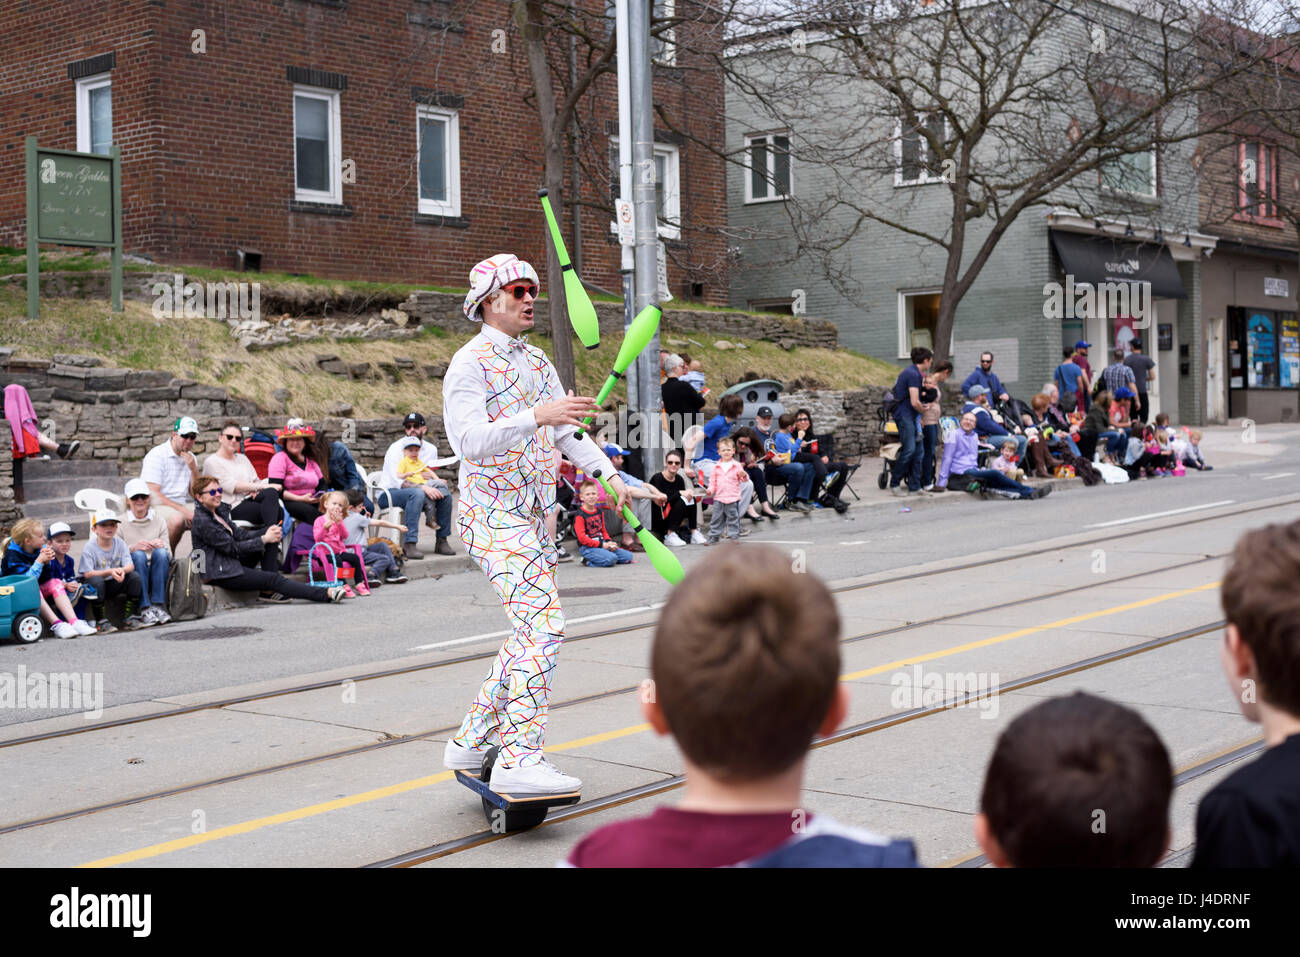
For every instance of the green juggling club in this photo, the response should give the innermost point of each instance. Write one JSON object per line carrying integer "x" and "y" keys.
{"x": 582, "y": 314}
{"x": 637, "y": 337}
{"x": 660, "y": 555}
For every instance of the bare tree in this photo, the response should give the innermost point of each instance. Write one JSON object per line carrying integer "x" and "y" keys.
{"x": 941, "y": 123}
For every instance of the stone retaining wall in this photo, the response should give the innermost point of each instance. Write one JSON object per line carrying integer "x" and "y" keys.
{"x": 10, "y": 511}
{"x": 119, "y": 414}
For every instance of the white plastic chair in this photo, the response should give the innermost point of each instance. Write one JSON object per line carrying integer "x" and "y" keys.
{"x": 96, "y": 499}
{"x": 386, "y": 513}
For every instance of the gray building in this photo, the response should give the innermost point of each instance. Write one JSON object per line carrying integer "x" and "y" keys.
{"x": 817, "y": 156}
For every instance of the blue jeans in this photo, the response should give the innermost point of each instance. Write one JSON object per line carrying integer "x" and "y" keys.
{"x": 1116, "y": 441}
{"x": 909, "y": 452}
{"x": 798, "y": 479}
{"x": 153, "y": 567}
{"x": 995, "y": 479}
{"x": 923, "y": 468}
{"x": 603, "y": 557}
{"x": 411, "y": 502}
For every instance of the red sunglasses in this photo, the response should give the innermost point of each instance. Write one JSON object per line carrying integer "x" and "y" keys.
{"x": 518, "y": 291}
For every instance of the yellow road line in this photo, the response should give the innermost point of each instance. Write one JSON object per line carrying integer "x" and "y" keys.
{"x": 1020, "y": 633}
{"x": 167, "y": 847}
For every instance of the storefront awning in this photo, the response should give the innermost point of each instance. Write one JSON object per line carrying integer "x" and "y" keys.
{"x": 1097, "y": 259}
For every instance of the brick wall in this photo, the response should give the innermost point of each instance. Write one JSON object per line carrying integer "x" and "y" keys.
{"x": 208, "y": 138}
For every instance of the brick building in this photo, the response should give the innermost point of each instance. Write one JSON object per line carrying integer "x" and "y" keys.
{"x": 384, "y": 140}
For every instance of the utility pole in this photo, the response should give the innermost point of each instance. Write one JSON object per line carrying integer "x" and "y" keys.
{"x": 643, "y": 392}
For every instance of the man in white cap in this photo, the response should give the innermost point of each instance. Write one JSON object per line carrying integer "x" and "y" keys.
{"x": 168, "y": 470}
{"x": 505, "y": 411}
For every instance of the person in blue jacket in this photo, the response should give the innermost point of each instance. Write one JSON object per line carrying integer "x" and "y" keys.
{"x": 986, "y": 377}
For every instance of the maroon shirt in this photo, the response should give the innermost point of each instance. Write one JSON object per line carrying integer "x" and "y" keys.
{"x": 674, "y": 838}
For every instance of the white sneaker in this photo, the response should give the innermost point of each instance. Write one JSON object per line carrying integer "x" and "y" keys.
{"x": 900, "y": 491}
{"x": 542, "y": 778}
{"x": 697, "y": 538}
{"x": 83, "y": 629}
{"x": 457, "y": 757}
{"x": 672, "y": 541}
{"x": 64, "y": 630}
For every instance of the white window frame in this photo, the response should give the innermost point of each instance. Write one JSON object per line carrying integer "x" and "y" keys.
{"x": 433, "y": 207}
{"x": 84, "y": 86}
{"x": 334, "y": 195}
{"x": 905, "y": 340}
{"x": 771, "y": 167}
{"x": 1155, "y": 177}
{"x": 672, "y": 190}
{"x": 667, "y": 37}
{"x": 925, "y": 177}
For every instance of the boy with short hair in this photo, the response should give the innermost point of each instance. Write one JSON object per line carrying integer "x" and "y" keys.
{"x": 1076, "y": 781}
{"x": 1252, "y": 818}
{"x": 107, "y": 562}
{"x": 594, "y": 543}
{"x": 745, "y": 668}
{"x": 381, "y": 566}
{"x": 60, "y": 539}
{"x": 786, "y": 447}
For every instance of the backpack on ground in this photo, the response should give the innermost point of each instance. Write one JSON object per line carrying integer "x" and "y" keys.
{"x": 185, "y": 596}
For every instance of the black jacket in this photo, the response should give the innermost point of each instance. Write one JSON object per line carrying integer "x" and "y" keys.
{"x": 222, "y": 550}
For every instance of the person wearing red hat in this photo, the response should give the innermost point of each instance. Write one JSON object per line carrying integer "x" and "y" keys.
{"x": 505, "y": 412}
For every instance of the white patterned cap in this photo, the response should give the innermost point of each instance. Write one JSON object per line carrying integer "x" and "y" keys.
{"x": 492, "y": 274}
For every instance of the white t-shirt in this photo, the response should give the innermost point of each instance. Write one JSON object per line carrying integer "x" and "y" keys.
{"x": 229, "y": 471}
{"x": 171, "y": 472}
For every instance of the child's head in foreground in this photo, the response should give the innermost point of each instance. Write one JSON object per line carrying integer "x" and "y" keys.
{"x": 1261, "y": 642}
{"x": 1076, "y": 781}
{"x": 745, "y": 666}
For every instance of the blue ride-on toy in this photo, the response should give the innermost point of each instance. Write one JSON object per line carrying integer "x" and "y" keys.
{"x": 20, "y": 608}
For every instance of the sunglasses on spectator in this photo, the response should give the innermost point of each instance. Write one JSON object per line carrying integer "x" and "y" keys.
{"x": 139, "y": 498}
{"x": 213, "y": 491}
{"x": 518, "y": 291}
{"x": 190, "y": 435}
{"x": 233, "y": 438}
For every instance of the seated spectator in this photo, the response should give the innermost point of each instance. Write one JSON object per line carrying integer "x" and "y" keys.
{"x": 145, "y": 534}
{"x": 706, "y": 453}
{"x": 785, "y": 447}
{"x": 28, "y": 439}
{"x": 815, "y": 452}
{"x": 106, "y": 564}
{"x": 329, "y": 528}
{"x": 1051, "y": 422}
{"x": 960, "y": 461}
{"x": 411, "y": 499}
{"x": 745, "y": 673}
{"x": 1153, "y": 459}
{"x": 296, "y": 470}
{"x": 1252, "y": 817}
{"x": 1188, "y": 451}
{"x": 1059, "y": 766}
{"x": 1007, "y": 463}
{"x": 343, "y": 472}
{"x": 753, "y": 456}
{"x": 674, "y": 523}
{"x": 381, "y": 566}
{"x": 1095, "y": 425}
{"x": 986, "y": 426}
{"x": 594, "y": 542}
{"x": 79, "y": 593}
{"x": 250, "y": 498}
{"x": 642, "y": 498}
{"x": 230, "y": 553}
{"x": 169, "y": 469}
{"x": 26, "y": 553}
{"x": 796, "y": 477}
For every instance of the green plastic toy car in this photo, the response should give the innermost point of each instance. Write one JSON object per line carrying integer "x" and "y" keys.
{"x": 20, "y": 607}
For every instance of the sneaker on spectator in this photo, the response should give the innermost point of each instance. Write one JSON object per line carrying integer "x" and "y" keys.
{"x": 899, "y": 491}
{"x": 84, "y": 628}
{"x": 697, "y": 537}
{"x": 104, "y": 627}
{"x": 561, "y": 555}
{"x": 672, "y": 541}
{"x": 135, "y": 621}
{"x": 363, "y": 589}
{"x": 161, "y": 614}
{"x": 62, "y": 629}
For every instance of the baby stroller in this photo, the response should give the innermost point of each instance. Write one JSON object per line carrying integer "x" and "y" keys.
{"x": 889, "y": 445}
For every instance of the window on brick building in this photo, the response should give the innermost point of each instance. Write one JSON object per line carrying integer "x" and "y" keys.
{"x": 438, "y": 133}
{"x": 95, "y": 114}
{"x": 1132, "y": 173}
{"x": 317, "y": 152}
{"x": 918, "y": 317}
{"x": 667, "y": 187}
{"x": 1257, "y": 181}
{"x": 767, "y": 162}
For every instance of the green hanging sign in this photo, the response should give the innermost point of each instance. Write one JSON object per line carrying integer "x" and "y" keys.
{"x": 73, "y": 199}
